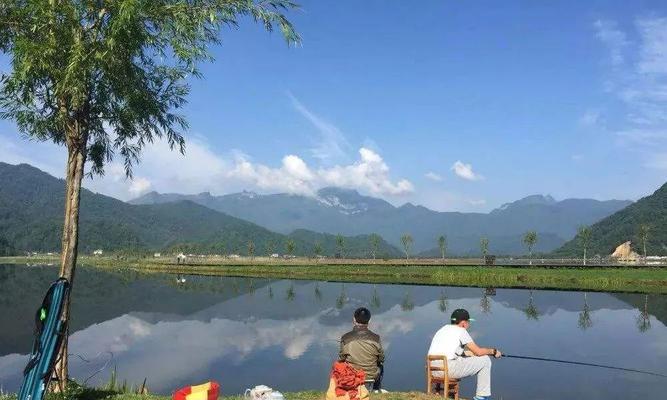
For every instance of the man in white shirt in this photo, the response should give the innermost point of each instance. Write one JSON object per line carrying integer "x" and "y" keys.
{"x": 464, "y": 357}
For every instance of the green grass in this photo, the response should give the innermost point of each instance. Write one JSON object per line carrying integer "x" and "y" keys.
{"x": 429, "y": 272}
{"x": 79, "y": 393}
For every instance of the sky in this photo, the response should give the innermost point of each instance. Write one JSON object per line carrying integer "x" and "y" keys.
{"x": 457, "y": 106}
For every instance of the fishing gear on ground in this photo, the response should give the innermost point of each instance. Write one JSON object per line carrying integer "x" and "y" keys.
{"x": 50, "y": 329}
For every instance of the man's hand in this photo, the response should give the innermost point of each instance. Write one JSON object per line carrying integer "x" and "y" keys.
{"x": 497, "y": 353}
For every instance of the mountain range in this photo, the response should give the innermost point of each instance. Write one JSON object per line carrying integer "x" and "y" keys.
{"x": 31, "y": 217}
{"x": 347, "y": 212}
{"x": 624, "y": 225}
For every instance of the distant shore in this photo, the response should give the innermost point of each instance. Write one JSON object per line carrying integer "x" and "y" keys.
{"x": 453, "y": 272}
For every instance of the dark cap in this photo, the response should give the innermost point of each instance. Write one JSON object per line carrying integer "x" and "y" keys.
{"x": 362, "y": 315}
{"x": 460, "y": 315}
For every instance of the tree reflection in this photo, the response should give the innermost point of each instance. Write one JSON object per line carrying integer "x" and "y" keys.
{"x": 251, "y": 287}
{"x": 485, "y": 303}
{"x": 270, "y": 292}
{"x": 291, "y": 293}
{"x": 407, "y": 304}
{"x": 443, "y": 303}
{"x": 342, "y": 298}
{"x": 375, "y": 300}
{"x": 644, "y": 318}
{"x": 585, "y": 320}
{"x": 531, "y": 311}
{"x": 318, "y": 292}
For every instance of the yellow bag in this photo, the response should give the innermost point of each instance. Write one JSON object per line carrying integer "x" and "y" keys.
{"x": 362, "y": 392}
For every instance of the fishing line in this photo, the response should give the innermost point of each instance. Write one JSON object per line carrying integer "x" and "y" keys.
{"x": 106, "y": 364}
{"x": 585, "y": 364}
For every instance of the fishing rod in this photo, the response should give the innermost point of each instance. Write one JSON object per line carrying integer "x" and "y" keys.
{"x": 585, "y": 364}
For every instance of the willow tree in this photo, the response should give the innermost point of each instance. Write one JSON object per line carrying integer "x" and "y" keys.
{"x": 530, "y": 239}
{"x": 406, "y": 241}
{"x": 584, "y": 234}
{"x": 105, "y": 78}
{"x": 442, "y": 245}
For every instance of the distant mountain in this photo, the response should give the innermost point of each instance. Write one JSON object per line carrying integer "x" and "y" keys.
{"x": 347, "y": 212}
{"x": 31, "y": 214}
{"x": 624, "y": 225}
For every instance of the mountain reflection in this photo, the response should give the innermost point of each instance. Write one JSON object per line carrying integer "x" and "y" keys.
{"x": 176, "y": 335}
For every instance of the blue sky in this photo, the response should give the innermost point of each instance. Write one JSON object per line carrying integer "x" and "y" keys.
{"x": 453, "y": 105}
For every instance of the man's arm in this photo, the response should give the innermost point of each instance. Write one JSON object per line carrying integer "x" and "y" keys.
{"x": 482, "y": 351}
{"x": 380, "y": 353}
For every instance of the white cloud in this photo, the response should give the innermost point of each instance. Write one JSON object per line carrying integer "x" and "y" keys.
{"x": 615, "y": 39}
{"x": 590, "y": 118}
{"x": 465, "y": 171}
{"x": 332, "y": 145}
{"x": 433, "y": 176}
{"x": 139, "y": 186}
{"x": 202, "y": 169}
{"x": 639, "y": 81}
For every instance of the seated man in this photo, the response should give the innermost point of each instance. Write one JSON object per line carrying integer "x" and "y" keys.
{"x": 464, "y": 357}
{"x": 362, "y": 348}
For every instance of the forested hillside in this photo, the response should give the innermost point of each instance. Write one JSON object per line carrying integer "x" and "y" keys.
{"x": 625, "y": 224}
{"x": 31, "y": 213}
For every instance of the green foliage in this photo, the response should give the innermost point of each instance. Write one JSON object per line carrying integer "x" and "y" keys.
{"x": 340, "y": 246}
{"x": 374, "y": 240}
{"x": 626, "y": 225}
{"x": 484, "y": 245}
{"x": 290, "y": 246}
{"x": 530, "y": 239}
{"x": 442, "y": 245}
{"x": 108, "y": 77}
{"x": 406, "y": 241}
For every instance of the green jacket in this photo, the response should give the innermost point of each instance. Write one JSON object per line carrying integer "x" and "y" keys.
{"x": 362, "y": 348}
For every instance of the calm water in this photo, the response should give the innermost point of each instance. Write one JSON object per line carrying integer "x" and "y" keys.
{"x": 243, "y": 332}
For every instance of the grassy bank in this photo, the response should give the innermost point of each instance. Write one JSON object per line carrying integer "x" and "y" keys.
{"x": 623, "y": 279}
{"x": 96, "y": 394}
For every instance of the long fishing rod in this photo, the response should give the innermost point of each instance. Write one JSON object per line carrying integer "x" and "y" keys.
{"x": 585, "y": 364}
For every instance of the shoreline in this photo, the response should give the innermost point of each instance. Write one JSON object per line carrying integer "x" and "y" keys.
{"x": 456, "y": 272}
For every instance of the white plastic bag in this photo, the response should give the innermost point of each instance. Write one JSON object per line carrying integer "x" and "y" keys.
{"x": 262, "y": 392}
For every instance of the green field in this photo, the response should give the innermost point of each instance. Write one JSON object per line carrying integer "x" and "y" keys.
{"x": 428, "y": 272}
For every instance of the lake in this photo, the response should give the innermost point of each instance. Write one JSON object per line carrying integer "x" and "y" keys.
{"x": 244, "y": 332}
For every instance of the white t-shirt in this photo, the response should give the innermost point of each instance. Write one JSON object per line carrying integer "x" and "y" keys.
{"x": 449, "y": 341}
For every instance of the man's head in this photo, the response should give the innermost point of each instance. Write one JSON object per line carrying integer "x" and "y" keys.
{"x": 362, "y": 316}
{"x": 461, "y": 317}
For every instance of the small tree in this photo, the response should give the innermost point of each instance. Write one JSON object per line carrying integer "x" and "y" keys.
{"x": 340, "y": 246}
{"x": 374, "y": 240}
{"x": 484, "y": 246}
{"x": 270, "y": 247}
{"x": 106, "y": 78}
{"x": 584, "y": 234}
{"x": 290, "y": 246}
{"x": 643, "y": 233}
{"x": 442, "y": 244}
{"x": 530, "y": 239}
{"x": 251, "y": 249}
{"x": 317, "y": 249}
{"x": 406, "y": 240}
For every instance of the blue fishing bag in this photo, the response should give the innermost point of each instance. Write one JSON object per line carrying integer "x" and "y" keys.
{"x": 49, "y": 332}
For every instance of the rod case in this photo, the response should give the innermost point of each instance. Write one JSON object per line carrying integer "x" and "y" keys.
{"x": 50, "y": 329}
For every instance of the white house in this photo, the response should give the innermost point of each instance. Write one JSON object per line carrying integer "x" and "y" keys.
{"x": 98, "y": 252}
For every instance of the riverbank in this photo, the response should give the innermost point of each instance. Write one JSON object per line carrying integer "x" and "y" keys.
{"x": 96, "y": 394}
{"x": 427, "y": 272}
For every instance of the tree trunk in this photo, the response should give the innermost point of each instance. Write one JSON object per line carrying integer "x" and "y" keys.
{"x": 68, "y": 254}
{"x": 584, "y": 256}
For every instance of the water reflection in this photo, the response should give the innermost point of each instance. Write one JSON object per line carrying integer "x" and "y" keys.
{"x": 176, "y": 335}
{"x": 442, "y": 302}
{"x": 585, "y": 320}
{"x": 531, "y": 311}
{"x": 644, "y": 319}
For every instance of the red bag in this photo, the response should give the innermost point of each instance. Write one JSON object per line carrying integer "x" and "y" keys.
{"x": 205, "y": 391}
